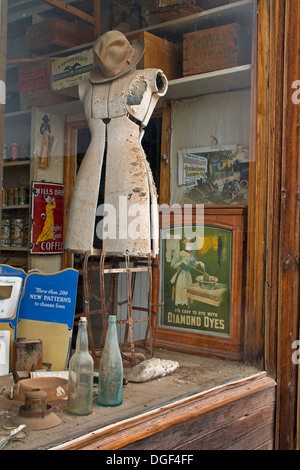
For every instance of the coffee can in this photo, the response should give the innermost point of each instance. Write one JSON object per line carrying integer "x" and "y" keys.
{"x": 4, "y": 197}
{"x": 16, "y": 232}
{"x": 5, "y": 232}
{"x": 13, "y": 151}
{"x": 5, "y": 152}
{"x": 16, "y": 196}
{"x": 24, "y": 151}
{"x": 10, "y": 197}
{"x": 23, "y": 195}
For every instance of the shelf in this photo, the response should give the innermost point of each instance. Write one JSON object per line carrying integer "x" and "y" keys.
{"x": 240, "y": 11}
{"x": 25, "y": 8}
{"x": 236, "y": 78}
{"x": 14, "y": 248}
{"x": 15, "y": 206}
{"x": 16, "y": 163}
{"x": 18, "y": 118}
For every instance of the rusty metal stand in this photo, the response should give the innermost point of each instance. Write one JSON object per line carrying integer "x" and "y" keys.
{"x": 108, "y": 303}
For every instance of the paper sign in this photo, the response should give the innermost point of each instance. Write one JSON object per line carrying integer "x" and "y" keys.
{"x": 47, "y": 313}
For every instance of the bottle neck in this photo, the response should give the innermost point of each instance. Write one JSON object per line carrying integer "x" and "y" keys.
{"x": 112, "y": 330}
{"x": 82, "y": 338}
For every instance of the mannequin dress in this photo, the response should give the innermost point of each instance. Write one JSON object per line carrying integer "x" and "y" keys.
{"x": 117, "y": 112}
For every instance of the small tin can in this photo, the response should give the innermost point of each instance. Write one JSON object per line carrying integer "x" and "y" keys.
{"x": 16, "y": 232}
{"x": 13, "y": 152}
{"x": 5, "y": 232}
{"x": 10, "y": 197}
{"x": 4, "y": 197}
{"x": 16, "y": 196}
{"x": 23, "y": 195}
{"x": 24, "y": 153}
{"x": 5, "y": 152}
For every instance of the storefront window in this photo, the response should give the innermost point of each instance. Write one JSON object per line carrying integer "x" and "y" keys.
{"x": 198, "y": 145}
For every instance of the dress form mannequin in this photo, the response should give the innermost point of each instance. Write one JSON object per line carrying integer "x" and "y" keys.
{"x": 117, "y": 110}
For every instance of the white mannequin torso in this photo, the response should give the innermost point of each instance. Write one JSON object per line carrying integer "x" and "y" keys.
{"x": 117, "y": 112}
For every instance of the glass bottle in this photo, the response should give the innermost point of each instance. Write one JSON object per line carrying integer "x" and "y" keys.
{"x": 81, "y": 375}
{"x": 110, "y": 383}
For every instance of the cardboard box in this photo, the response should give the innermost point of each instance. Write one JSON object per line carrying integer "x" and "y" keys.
{"x": 35, "y": 84}
{"x": 55, "y": 34}
{"x": 159, "y": 53}
{"x": 215, "y": 49}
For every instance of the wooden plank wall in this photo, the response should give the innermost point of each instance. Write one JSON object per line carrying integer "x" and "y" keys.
{"x": 289, "y": 241}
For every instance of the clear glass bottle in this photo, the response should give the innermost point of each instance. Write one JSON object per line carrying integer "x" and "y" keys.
{"x": 110, "y": 383}
{"x": 81, "y": 375}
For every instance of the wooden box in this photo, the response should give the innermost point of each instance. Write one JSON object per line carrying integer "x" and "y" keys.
{"x": 171, "y": 9}
{"x": 35, "y": 85}
{"x": 159, "y": 53}
{"x": 214, "y": 49}
{"x": 208, "y": 4}
{"x": 55, "y": 34}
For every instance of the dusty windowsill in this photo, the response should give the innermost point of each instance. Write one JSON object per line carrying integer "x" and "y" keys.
{"x": 194, "y": 375}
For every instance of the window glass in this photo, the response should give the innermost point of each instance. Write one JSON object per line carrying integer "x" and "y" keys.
{"x": 196, "y": 138}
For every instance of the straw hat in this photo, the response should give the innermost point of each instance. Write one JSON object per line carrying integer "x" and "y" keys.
{"x": 114, "y": 56}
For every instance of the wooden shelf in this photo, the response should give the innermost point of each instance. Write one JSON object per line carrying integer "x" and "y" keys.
{"x": 18, "y": 118}
{"x": 14, "y": 248}
{"x": 15, "y": 206}
{"x": 16, "y": 163}
{"x": 239, "y": 11}
{"x": 236, "y": 78}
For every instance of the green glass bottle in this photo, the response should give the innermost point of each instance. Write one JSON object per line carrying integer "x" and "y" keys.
{"x": 81, "y": 375}
{"x": 110, "y": 384}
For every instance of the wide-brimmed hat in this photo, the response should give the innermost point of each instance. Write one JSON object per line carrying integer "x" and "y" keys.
{"x": 114, "y": 56}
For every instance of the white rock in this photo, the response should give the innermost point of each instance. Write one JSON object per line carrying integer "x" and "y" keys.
{"x": 151, "y": 369}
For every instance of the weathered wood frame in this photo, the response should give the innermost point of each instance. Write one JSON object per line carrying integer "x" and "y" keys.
{"x": 211, "y": 345}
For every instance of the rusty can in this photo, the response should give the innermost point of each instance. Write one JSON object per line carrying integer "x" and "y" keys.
{"x": 16, "y": 196}
{"x": 10, "y": 197}
{"x": 27, "y": 354}
{"x": 23, "y": 195}
{"x": 4, "y": 197}
{"x": 13, "y": 152}
{"x": 16, "y": 232}
{"x": 5, "y": 232}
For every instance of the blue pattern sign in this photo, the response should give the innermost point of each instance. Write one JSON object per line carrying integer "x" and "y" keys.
{"x": 50, "y": 297}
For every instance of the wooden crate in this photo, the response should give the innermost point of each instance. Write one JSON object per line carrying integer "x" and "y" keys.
{"x": 168, "y": 3}
{"x": 214, "y": 49}
{"x": 35, "y": 84}
{"x": 55, "y": 34}
{"x": 208, "y": 4}
{"x": 160, "y": 54}
{"x": 171, "y": 9}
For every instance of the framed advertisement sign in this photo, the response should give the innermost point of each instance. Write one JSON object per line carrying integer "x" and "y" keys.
{"x": 201, "y": 265}
{"x": 47, "y": 218}
{"x": 214, "y": 175}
